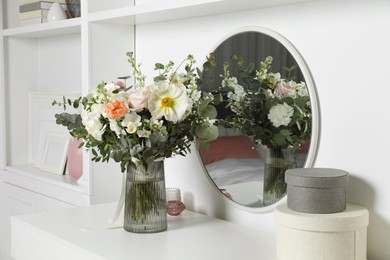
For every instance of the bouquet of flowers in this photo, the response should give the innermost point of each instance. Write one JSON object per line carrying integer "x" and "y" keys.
{"x": 143, "y": 123}
{"x": 274, "y": 111}
{"x": 140, "y": 125}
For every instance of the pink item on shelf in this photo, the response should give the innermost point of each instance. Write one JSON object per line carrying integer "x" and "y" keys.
{"x": 75, "y": 159}
{"x": 175, "y": 207}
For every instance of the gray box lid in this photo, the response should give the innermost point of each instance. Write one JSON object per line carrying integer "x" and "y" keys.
{"x": 316, "y": 177}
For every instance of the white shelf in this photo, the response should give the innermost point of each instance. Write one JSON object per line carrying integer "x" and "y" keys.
{"x": 29, "y": 171}
{"x": 64, "y": 27}
{"x": 160, "y": 11}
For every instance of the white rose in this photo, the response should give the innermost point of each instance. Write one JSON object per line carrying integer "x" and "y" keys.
{"x": 280, "y": 114}
{"x": 91, "y": 121}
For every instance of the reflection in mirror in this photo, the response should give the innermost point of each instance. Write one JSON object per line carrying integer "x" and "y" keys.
{"x": 248, "y": 160}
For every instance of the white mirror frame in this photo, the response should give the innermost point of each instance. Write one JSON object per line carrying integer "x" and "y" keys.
{"x": 314, "y": 139}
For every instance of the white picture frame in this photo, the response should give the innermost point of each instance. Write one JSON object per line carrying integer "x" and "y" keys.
{"x": 42, "y": 122}
{"x": 55, "y": 154}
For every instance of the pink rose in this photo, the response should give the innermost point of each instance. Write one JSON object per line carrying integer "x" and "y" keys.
{"x": 138, "y": 99}
{"x": 284, "y": 89}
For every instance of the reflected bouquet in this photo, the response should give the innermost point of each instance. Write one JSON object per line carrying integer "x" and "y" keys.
{"x": 275, "y": 111}
{"x": 143, "y": 123}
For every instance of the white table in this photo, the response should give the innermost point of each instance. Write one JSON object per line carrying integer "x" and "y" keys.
{"x": 60, "y": 235}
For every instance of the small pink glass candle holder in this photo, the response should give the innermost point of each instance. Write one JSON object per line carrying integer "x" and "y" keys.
{"x": 175, "y": 207}
{"x": 174, "y": 204}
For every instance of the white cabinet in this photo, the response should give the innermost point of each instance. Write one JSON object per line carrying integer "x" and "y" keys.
{"x": 17, "y": 201}
{"x": 79, "y": 234}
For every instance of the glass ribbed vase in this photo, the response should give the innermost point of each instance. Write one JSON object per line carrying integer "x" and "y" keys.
{"x": 277, "y": 161}
{"x": 145, "y": 201}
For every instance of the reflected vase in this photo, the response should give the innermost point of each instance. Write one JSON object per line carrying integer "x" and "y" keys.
{"x": 277, "y": 161}
{"x": 145, "y": 201}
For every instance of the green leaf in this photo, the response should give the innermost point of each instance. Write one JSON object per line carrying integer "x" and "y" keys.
{"x": 279, "y": 139}
{"x": 124, "y": 77}
{"x": 158, "y": 66}
{"x": 76, "y": 103}
{"x": 160, "y": 78}
{"x": 209, "y": 112}
{"x": 289, "y": 101}
{"x": 207, "y": 132}
{"x": 250, "y": 68}
{"x": 285, "y": 132}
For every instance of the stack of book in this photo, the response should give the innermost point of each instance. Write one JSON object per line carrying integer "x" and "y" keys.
{"x": 35, "y": 11}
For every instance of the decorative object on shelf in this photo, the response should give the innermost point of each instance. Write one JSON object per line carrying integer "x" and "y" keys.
{"x": 56, "y": 13}
{"x": 277, "y": 161}
{"x": 73, "y": 8}
{"x": 306, "y": 236}
{"x": 138, "y": 126}
{"x": 75, "y": 159}
{"x": 175, "y": 206}
{"x": 173, "y": 194}
{"x": 316, "y": 190}
{"x": 54, "y": 156}
{"x": 145, "y": 209}
{"x": 274, "y": 111}
{"x": 36, "y": 12}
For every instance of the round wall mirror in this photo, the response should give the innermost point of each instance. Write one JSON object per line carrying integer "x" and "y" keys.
{"x": 239, "y": 162}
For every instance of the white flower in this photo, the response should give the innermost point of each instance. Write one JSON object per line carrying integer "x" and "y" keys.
{"x": 302, "y": 89}
{"x": 169, "y": 101}
{"x": 91, "y": 121}
{"x": 280, "y": 114}
{"x": 238, "y": 91}
{"x": 275, "y": 77}
{"x": 143, "y": 133}
{"x": 95, "y": 95}
{"x": 155, "y": 123}
{"x": 196, "y": 95}
{"x": 131, "y": 122}
{"x": 110, "y": 88}
{"x": 99, "y": 108}
{"x": 114, "y": 126}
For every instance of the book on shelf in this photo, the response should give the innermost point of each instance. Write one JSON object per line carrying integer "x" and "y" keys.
{"x": 23, "y": 2}
{"x": 40, "y": 13}
{"x": 32, "y": 21}
{"x": 39, "y": 5}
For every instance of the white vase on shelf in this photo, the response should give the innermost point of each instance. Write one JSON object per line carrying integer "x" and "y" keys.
{"x": 56, "y": 13}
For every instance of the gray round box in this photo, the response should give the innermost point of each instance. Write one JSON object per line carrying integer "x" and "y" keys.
{"x": 316, "y": 190}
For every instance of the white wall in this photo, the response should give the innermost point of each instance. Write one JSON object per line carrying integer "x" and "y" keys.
{"x": 345, "y": 44}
